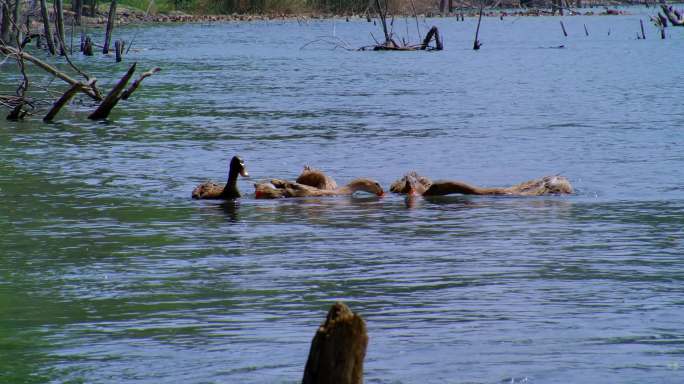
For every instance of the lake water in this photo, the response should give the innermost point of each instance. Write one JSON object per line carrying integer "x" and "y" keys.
{"x": 111, "y": 273}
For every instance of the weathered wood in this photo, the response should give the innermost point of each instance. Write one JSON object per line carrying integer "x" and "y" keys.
{"x": 338, "y": 349}
{"x": 112, "y": 97}
{"x": 5, "y": 23}
{"x": 77, "y": 6}
{"x": 16, "y": 16}
{"x": 110, "y": 27}
{"x": 59, "y": 24}
{"x": 50, "y": 69}
{"x": 64, "y": 99}
{"x": 433, "y": 32}
{"x": 476, "y": 43}
{"x": 117, "y": 50}
{"x": 128, "y": 92}
{"x": 88, "y": 46}
{"x": 46, "y": 27}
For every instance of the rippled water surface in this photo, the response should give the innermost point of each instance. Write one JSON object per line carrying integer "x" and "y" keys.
{"x": 111, "y": 273}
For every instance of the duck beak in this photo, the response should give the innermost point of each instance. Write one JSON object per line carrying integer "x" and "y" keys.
{"x": 244, "y": 172}
{"x": 380, "y": 194}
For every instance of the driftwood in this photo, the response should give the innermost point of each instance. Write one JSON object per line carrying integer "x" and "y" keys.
{"x": 64, "y": 99}
{"x": 112, "y": 97}
{"x": 92, "y": 91}
{"x": 338, "y": 349}
{"x": 672, "y": 15}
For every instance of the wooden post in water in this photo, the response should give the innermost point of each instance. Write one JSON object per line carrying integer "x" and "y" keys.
{"x": 46, "y": 27}
{"x": 110, "y": 27}
{"x": 476, "y": 43}
{"x": 563, "y": 28}
{"x": 59, "y": 27}
{"x": 586, "y": 32}
{"x": 88, "y": 46}
{"x": 643, "y": 34}
{"x": 117, "y": 50}
{"x": 338, "y": 349}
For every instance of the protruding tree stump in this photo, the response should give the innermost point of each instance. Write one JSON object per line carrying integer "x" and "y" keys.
{"x": 113, "y": 97}
{"x": 88, "y": 46}
{"x": 110, "y": 26}
{"x": 338, "y": 349}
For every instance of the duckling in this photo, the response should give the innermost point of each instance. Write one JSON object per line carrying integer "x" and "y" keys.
{"x": 209, "y": 190}
{"x": 547, "y": 185}
{"x": 316, "y": 178}
{"x": 278, "y": 188}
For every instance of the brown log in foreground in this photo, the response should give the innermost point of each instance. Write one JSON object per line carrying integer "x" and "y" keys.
{"x": 338, "y": 349}
{"x": 113, "y": 97}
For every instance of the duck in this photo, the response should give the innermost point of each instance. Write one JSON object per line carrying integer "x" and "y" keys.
{"x": 316, "y": 178}
{"x": 210, "y": 190}
{"x": 411, "y": 184}
{"x": 547, "y": 185}
{"x": 414, "y": 184}
{"x": 278, "y": 188}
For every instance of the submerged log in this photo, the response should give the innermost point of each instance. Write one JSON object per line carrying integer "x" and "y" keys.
{"x": 338, "y": 349}
{"x": 64, "y": 99}
{"x": 113, "y": 97}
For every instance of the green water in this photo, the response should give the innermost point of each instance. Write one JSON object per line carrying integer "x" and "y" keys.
{"x": 111, "y": 273}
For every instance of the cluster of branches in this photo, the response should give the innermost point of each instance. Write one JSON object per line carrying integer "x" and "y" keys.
{"x": 14, "y": 41}
{"x": 669, "y": 14}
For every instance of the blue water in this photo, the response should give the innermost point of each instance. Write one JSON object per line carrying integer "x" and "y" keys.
{"x": 111, "y": 273}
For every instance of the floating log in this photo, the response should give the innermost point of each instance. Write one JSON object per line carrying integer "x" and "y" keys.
{"x": 128, "y": 92}
{"x": 110, "y": 27}
{"x": 64, "y": 99}
{"x": 112, "y": 97}
{"x": 338, "y": 349}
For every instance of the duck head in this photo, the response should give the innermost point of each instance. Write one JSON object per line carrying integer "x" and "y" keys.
{"x": 237, "y": 166}
{"x": 366, "y": 185}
